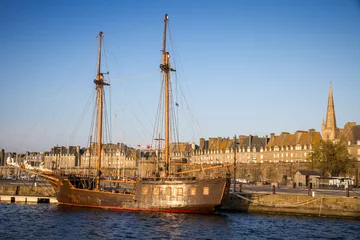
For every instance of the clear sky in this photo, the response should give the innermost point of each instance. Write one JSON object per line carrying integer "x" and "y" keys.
{"x": 246, "y": 67}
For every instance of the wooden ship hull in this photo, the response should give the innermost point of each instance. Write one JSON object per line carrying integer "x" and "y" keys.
{"x": 180, "y": 195}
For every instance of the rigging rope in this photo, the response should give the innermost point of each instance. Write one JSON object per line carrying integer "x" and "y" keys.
{"x": 110, "y": 108}
{"x": 195, "y": 127}
{"x": 82, "y": 117}
{"x": 138, "y": 76}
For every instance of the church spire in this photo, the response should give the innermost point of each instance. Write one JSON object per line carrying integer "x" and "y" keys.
{"x": 329, "y": 129}
{"x": 330, "y": 113}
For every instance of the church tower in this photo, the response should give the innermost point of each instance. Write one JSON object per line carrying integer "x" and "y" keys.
{"x": 329, "y": 129}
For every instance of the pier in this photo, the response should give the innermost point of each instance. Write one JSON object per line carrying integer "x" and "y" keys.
{"x": 27, "y": 199}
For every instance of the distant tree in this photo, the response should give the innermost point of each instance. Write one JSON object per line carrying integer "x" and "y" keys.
{"x": 330, "y": 158}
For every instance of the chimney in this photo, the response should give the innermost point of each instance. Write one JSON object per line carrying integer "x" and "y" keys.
{"x": 202, "y": 143}
{"x": 2, "y": 157}
{"x": 272, "y": 137}
{"x": 298, "y": 135}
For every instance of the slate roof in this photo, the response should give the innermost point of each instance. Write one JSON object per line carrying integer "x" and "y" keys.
{"x": 310, "y": 137}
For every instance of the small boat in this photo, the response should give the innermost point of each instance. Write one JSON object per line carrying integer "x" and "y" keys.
{"x": 161, "y": 193}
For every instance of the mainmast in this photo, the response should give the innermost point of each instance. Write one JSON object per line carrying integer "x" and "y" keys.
{"x": 99, "y": 82}
{"x": 165, "y": 68}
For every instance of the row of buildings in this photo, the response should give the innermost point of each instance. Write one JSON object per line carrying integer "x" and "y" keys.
{"x": 286, "y": 147}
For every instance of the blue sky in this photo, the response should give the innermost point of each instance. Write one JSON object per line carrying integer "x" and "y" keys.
{"x": 246, "y": 67}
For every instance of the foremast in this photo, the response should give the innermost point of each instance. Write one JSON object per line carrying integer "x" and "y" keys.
{"x": 165, "y": 68}
{"x": 99, "y": 82}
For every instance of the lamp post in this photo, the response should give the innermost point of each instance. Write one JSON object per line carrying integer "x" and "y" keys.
{"x": 312, "y": 160}
{"x": 235, "y": 147}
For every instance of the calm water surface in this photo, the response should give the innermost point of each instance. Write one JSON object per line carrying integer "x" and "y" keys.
{"x": 50, "y": 221}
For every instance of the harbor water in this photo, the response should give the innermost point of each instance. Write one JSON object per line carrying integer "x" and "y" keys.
{"x": 51, "y": 221}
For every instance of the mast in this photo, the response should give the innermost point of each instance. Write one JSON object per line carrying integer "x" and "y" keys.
{"x": 99, "y": 82}
{"x": 165, "y": 68}
{"x": 235, "y": 148}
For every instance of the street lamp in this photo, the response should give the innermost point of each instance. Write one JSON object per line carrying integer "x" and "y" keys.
{"x": 312, "y": 160}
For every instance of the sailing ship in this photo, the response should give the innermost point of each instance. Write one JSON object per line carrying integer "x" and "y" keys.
{"x": 162, "y": 193}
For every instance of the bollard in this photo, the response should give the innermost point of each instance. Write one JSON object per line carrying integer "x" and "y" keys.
{"x": 273, "y": 189}
{"x": 347, "y": 192}
{"x": 309, "y": 190}
{"x": 17, "y": 190}
{"x": 240, "y": 187}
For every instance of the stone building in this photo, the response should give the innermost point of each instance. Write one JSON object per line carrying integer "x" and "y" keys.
{"x": 305, "y": 177}
{"x": 288, "y": 147}
{"x": 351, "y": 137}
{"x": 285, "y": 147}
{"x": 117, "y": 159}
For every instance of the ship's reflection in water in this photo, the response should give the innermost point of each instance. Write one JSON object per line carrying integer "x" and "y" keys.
{"x": 48, "y": 221}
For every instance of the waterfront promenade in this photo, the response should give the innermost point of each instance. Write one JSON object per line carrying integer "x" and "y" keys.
{"x": 287, "y": 190}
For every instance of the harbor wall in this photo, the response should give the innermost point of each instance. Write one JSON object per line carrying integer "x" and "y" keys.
{"x": 294, "y": 204}
{"x": 27, "y": 190}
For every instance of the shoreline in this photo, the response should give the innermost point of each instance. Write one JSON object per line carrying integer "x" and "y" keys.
{"x": 290, "y": 204}
{"x": 253, "y": 199}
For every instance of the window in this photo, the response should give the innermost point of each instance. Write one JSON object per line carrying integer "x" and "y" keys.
{"x": 145, "y": 191}
{"x": 358, "y": 151}
{"x": 206, "y": 190}
{"x": 179, "y": 191}
{"x": 192, "y": 191}
{"x": 168, "y": 191}
{"x": 156, "y": 191}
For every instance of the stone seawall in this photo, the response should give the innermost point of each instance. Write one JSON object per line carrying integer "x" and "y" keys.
{"x": 294, "y": 204}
